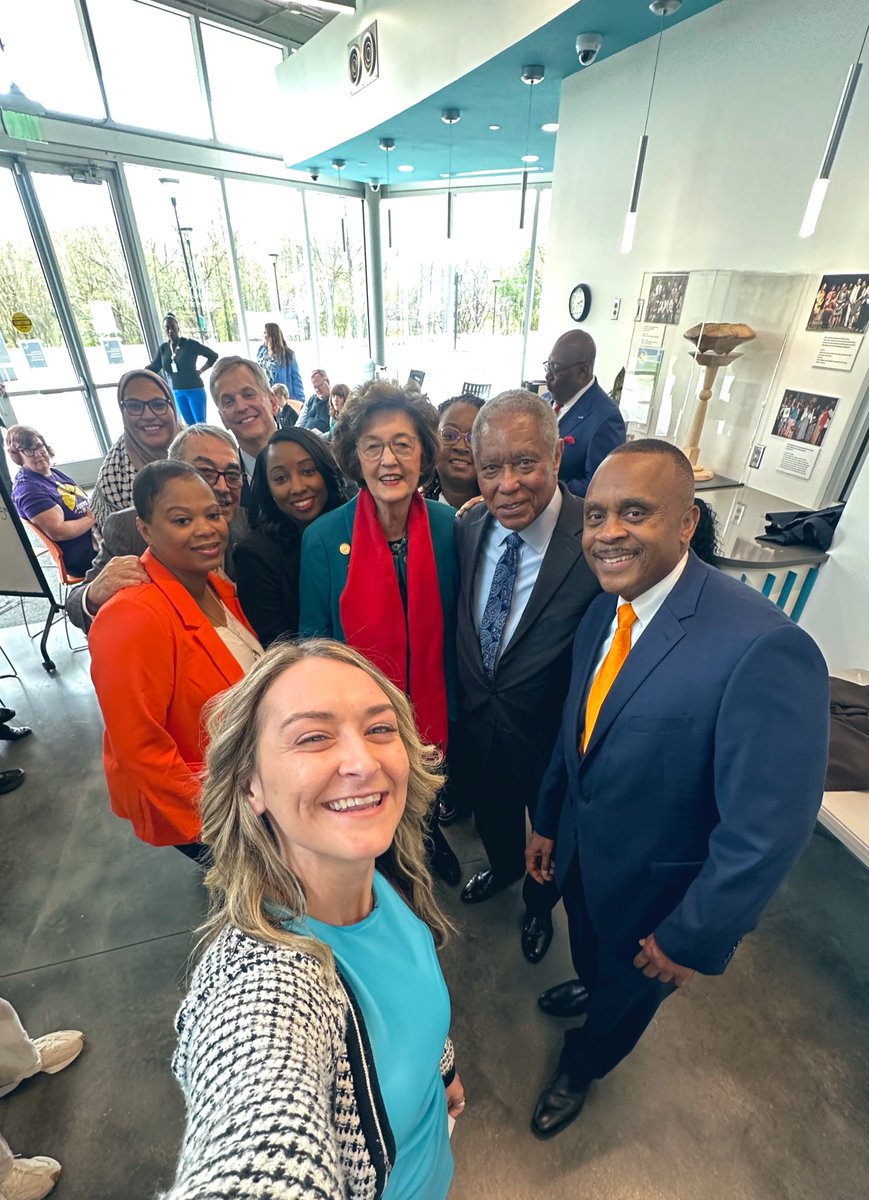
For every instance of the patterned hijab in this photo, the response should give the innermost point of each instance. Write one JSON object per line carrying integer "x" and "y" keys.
{"x": 138, "y": 453}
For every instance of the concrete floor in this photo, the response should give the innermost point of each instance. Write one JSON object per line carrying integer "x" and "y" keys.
{"x": 754, "y": 1086}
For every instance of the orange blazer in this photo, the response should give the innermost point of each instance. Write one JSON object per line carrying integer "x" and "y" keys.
{"x": 156, "y": 660}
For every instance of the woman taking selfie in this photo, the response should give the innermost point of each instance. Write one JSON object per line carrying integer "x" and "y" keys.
{"x": 296, "y": 479}
{"x": 313, "y": 1047}
{"x": 161, "y": 650}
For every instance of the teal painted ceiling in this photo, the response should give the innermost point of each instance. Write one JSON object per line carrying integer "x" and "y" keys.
{"x": 494, "y": 94}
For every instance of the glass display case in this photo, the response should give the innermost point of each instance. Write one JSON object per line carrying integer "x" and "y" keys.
{"x": 664, "y": 380}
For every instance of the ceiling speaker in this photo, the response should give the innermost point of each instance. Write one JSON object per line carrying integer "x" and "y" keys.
{"x": 363, "y": 58}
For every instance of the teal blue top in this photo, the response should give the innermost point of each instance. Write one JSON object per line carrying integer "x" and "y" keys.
{"x": 390, "y": 962}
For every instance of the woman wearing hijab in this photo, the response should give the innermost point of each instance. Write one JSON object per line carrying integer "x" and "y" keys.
{"x": 279, "y": 362}
{"x": 178, "y": 358}
{"x": 150, "y": 423}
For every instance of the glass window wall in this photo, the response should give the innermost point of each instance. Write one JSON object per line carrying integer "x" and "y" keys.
{"x": 46, "y": 58}
{"x": 149, "y": 67}
{"x": 268, "y": 227}
{"x": 337, "y": 252}
{"x": 244, "y": 91}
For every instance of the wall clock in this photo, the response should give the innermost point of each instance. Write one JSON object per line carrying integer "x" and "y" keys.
{"x": 579, "y": 304}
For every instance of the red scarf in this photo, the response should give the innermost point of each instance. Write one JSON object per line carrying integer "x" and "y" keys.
{"x": 373, "y": 616}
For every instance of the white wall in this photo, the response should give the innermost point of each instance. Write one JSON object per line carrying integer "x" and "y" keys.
{"x": 424, "y": 46}
{"x": 744, "y": 100}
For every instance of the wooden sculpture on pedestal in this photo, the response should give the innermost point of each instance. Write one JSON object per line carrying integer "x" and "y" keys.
{"x": 715, "y": 345}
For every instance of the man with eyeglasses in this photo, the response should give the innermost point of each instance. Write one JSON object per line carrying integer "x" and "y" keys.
{"x": 214, "y": 454}
{"x": 315, "y": 411}
{"x": 589, "y": 422}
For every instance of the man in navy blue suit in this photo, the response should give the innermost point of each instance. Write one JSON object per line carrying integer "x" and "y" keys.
{"x": 588, "y": 420}
{"x": 687, "y": 774}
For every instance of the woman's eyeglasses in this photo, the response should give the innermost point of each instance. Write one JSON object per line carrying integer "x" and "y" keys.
{"x": 402, "y": 447}
{"x": 136, "y": 407}
{"x": 32, "y": 451}
{"x": 450, "y": 434}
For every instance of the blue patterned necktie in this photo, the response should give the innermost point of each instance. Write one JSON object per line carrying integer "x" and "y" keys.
{"x": 498, "y": 604}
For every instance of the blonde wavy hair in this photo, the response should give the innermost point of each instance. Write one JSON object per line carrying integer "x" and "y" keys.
{"x": 248, "y": 875}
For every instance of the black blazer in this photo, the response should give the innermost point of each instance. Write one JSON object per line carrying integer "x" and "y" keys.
{"x": 524, "y": 699}
{"x": 267, "y": 578}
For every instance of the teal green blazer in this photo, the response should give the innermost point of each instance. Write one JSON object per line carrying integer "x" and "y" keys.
{"x": 324, "y": 575}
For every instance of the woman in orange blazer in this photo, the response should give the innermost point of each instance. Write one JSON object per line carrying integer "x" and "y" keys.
{"x": 161, "y": 650}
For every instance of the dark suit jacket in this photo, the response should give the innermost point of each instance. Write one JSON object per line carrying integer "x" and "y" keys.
{"x": 591, "y": 430}
{"x": 120, "y": 537}
{"x": 267, "y": 571}
{"x": 523, "y": 701}
{"x": 324, "y": 576}
{"x": 704, "y": 774}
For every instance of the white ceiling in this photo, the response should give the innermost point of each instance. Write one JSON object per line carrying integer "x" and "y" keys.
{"x": 292, "y": 23}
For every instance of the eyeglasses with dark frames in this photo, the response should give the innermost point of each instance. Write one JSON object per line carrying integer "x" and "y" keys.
{"x": 556, "y": 368}
{"x": 136, "y": 407}
{"x": 232, "y": 476}
{"x": 32, "y": 451}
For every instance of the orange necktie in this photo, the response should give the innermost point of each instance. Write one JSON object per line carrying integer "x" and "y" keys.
{"x": 609, "y": 669}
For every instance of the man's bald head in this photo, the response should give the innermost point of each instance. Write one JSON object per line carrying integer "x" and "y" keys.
{"x": 640, "y": 516}
{"x": 571, "y": 365}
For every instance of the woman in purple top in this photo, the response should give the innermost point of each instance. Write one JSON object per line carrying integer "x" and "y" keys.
{"x": 50, "y": 500}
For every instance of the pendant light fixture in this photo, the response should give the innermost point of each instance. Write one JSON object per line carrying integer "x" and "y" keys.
{"x": 338, "y": 164}
{"x": 451, "y": 117}
{"x": 819, "y": 187}
{"x": 387, "y": 145}
{"x": 662, "y": 9}
{"x": 531, "y": 75}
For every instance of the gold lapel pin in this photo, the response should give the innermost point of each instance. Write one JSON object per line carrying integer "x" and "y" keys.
{"x": 344, "y": 548}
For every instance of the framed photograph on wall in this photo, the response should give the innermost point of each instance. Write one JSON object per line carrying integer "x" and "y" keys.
{"x": 804, "y": 417}
{"x": 666, "y": 297}
{"x": 842, "y": 303}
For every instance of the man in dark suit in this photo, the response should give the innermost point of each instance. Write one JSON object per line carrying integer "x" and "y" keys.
{"x": 513, "y": 652}
{"x": 214, "y": 454}
{"x": 687, "y": 775}
{"x": 588, "y": 420}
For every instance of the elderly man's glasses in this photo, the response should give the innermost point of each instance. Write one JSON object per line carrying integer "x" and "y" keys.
{"x": 556, "y": 368}
{"x": 136, "y": 407}
{"x": 450, "y": 434}
{"x": 402, "y": 447}
{"x": 232, "y": 476}
{"x": 32, "y": 451}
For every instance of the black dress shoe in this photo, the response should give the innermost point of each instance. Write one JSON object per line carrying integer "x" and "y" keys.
{"x": 483, "y": 886}
{"x": 565, "y": 999}
{"x": 559, "y": 1105}
{"x": 10, "y": 780}
{"x": 444, "y": 863}
{"x": 536, "y": 936}
{"x": 6, "y": 714}
{"x": 13, "y": 733}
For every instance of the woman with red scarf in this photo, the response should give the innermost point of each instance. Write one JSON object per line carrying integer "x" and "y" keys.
{"x": 381, "y": 573}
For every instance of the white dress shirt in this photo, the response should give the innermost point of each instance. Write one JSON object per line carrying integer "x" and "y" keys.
{"x": 535, "y": 541}
{"x": 565, "y": 408}
{"x": 645, "y": 607}
{"x": 248, "y": 463}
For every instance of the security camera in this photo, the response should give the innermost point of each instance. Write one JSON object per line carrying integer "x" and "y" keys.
{"x": 588, "y": 47}
{"x": 315, "y": 174}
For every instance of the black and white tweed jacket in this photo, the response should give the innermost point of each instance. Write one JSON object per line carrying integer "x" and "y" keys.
{"x": 277, "y": 1072}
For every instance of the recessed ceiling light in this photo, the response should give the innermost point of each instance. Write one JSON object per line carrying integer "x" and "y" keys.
{"x": 362, "y": 164}
{"x": 494, "y": 128}
{"x": 550, "y": 127}
{"x": 531, "y": 158}
{"x": 405, "y": 167}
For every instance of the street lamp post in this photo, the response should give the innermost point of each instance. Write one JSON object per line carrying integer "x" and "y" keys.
{"x": 187, "y": 255}
{"x": 274, "y": 258}
{"x": 495, "y": 304}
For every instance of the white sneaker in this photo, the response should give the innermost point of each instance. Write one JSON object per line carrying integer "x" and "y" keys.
{"x": 58, "y": 1050}
{"x": 30, "y": 1179}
